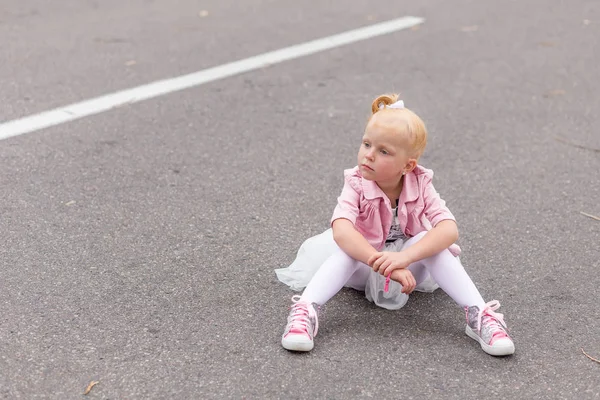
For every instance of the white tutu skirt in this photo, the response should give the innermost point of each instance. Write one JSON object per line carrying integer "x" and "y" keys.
{"x": 315, "y": 250}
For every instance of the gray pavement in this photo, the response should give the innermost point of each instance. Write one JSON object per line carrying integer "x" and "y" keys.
{"x": 139, "y": 244}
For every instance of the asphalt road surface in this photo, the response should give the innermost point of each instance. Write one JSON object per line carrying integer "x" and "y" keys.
{"x": 138, "y": 244}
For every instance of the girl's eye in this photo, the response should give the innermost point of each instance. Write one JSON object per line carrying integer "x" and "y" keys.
{"x": 384, "y": 152}
{"x": 367, "y": 145}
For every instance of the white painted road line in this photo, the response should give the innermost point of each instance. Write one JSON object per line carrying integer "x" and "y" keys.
{"x": 104, "y": 103}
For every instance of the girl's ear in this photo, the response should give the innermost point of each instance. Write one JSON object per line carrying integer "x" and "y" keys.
{"x": 410, "y": 165}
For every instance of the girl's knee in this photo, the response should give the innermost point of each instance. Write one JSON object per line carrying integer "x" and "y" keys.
{"x": 344, "y": 259}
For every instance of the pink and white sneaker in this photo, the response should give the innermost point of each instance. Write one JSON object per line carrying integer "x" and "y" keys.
{"x": 302, "y": 326}
{"x": 489, "y": 329}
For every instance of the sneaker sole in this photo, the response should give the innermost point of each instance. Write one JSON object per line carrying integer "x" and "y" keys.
{"x": 295, "y": 345}
{"x": 491, "y": 350}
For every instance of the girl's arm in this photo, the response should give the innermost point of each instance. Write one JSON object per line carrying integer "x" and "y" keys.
{"x": 439, "y": 238}
{"x": 352, "y": 241}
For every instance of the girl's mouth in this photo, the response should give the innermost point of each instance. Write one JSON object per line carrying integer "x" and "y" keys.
{"x": 367, "y": 167}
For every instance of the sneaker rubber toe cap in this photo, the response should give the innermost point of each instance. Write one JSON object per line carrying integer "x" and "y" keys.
{"x": 297, "y": 342}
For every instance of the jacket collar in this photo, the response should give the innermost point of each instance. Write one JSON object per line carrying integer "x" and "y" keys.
{"x": 371, "y": 190}
{"x": 410, "y": 189}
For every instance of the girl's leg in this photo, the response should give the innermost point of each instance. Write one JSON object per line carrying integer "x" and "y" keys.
{"x": 303, "y": 320}
{"x": 449, "y": 273}
{"x": 335, "y": 272}
{"x": 483, "y": 323}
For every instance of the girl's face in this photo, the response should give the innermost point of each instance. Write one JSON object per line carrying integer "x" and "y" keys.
{"x": 383, "y": 155}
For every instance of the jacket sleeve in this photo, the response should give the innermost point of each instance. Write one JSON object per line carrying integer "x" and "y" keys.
{"x": 348, "y": 203}
{"x": 434, "y": 206}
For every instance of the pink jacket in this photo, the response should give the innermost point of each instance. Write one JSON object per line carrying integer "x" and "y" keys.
{"x": 364, "y": 204}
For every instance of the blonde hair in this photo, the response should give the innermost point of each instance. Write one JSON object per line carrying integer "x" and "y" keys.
{"x": 417, "y": 133}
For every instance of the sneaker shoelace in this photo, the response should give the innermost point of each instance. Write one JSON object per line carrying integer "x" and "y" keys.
{"x": 493, "y": 320}
{"x": 300, "y": 320}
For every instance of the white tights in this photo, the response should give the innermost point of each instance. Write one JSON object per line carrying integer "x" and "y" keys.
{"x": 341, "y": 270}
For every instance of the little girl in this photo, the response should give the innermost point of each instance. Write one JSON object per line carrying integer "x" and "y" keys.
{"x": 391, "y": 233}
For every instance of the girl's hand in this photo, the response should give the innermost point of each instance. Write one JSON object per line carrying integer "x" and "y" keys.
{"x": 387, "y": 261}
{"x": 406, "y": 279}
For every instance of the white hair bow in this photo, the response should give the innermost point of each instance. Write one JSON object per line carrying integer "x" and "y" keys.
{"x": 398, "y": 105}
